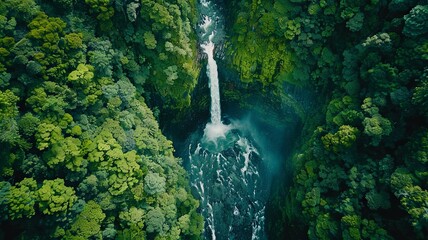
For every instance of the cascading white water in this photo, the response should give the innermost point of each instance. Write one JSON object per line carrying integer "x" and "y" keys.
{"x": 214, "y": 129}
{"x": 225, "y": 166}
{"x": 213, "y": 76}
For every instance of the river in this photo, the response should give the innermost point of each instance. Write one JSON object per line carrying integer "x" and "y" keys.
{"x": 226, "y": 168}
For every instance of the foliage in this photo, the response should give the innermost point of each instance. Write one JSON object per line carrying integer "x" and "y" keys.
{"x": 154, "y": 183}
{"x": 54, "y": 197}
{"x": 416, "y": 21}
{"x": 155, "y": 220}
{"x": 21, "y": 199}
{"x": 365, "y": 160}
{"x": 83, "y": 156}
{"x": 343, "y": 138}
{"x": 87, "y": 223}
{"x": 8, "y": 104}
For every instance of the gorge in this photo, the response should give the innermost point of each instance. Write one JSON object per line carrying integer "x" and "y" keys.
{"x": 225, "y": 168}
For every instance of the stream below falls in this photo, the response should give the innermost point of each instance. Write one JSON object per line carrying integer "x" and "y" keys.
{"x": 226, "y": 168}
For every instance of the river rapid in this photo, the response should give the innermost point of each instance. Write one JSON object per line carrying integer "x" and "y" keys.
{"x": 226, "y": 168}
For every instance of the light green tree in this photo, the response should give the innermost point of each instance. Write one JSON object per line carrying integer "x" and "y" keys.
{"x": 21, "y": 199}
{"x": 88, "y": 223}
{"x": 150, "y": 40}
{"x": 344, "y": 138}
{"x": 54, "y": 197}
{"x": 134, "y": 216}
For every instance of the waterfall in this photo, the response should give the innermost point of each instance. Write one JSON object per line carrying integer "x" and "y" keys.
{"x": 225, "y": 167}
{"x": 210, "y": 28}
{"x": 213, "y": 76}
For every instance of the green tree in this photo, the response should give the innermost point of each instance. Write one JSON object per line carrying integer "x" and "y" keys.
{"x": 34, "y": 166}
{"x": 8, "y": 107}
{"x": 154, "y": 183}
{"x": 47, "y": 134}
{"x": 22, "y": 198}
{"x": 133, "y": 217}
{"x": 416, "y": 21}
{"x": 82, "y": 75}
{"x": 356, "y": 22}
{"x": 23, "y": 10}
{"x": 101, "y": 56}
{"x": 376, "y": 200}
{"x": 415, "y": 202}
{"x": 351, "y": 227}
{"x": 344, "y": 138}
{"x": 155, "y": 220}
{"x": 150, "y": 40}
{"x": 88, "y": 223}
{"x": 54, "y": 197}
{"x": 89, "y": 186}
{"x": 375, "y": 125}
{"x": 325, "y": 228}
{"x": 101, "y": 7}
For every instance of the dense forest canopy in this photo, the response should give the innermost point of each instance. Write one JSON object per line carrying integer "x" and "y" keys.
{"x": 82, "y": 155}
{"x": 361, "y": 168}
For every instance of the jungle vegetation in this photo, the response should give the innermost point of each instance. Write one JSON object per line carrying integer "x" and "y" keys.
{"x": 82, "y": 155}
{"x": 360, "y": 166}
